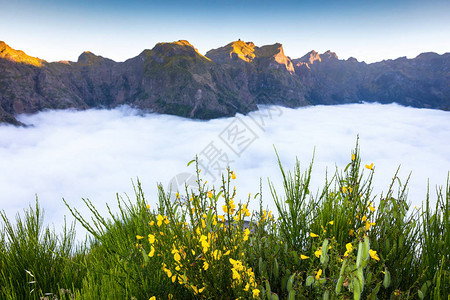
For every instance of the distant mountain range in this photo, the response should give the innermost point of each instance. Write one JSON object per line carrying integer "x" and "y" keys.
{"x": 174, "y": 78}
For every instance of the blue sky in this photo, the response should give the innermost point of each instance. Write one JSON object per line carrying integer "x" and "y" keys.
{"x": 368, "y": 30}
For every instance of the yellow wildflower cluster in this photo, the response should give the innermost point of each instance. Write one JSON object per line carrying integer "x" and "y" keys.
{"x": 242, "y": 275}
{"x": 265, "y": 216}
{"x": 349, "y": 248}
{"x": 242, "y": 212}
{"x": 160, "y": 219}
{"x": 230, "y": 207}
{"x": 345, "y": 189}
{"x": 196, "y": 249}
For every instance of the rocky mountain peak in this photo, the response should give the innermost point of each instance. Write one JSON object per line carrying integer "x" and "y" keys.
{"x": 89, "y": 58}
{"x": 178, "y": 48}
{"x": 309, "y": 58}
{"x": 233, "y": 52}
{"x": 2, "y": 45}
{"x": 18, "y": 56}
{"x": 242, "y": 50}
{"x": 276, "y": 52}
{"x": 329, "y": 55}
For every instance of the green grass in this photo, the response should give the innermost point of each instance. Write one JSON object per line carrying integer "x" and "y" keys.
{"x": 344, "y": 242}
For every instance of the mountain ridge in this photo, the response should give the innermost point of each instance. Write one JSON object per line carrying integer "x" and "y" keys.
{"x": 175, "y": 78}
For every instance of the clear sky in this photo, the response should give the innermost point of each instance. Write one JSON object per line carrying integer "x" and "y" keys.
{"x": 368, "y": 30}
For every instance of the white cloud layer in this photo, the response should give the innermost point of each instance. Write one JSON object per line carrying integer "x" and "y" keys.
{"x": 96, "y": 153}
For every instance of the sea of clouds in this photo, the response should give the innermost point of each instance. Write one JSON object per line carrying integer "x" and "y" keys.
{"x": 97, "y": 153}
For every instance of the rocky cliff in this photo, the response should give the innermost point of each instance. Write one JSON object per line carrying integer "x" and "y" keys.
{"x": 174, "y": 78}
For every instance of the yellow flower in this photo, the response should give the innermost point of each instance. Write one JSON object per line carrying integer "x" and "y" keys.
{"x": 152, "y": 298}
{"x": 373, "y": 254}
{"x": 201, "y": 290}
{"x": 225, "y": 208}
{"x": 152, "y": 223}
{"x": 210, "y": 194}
{"x": 318, "y": 252}
{"x": 351, "y": 232}
{"x": 344, "y": 189}
{"x": 204, "y": 242}
{"x": 177, "y": 195}
{"x": 152, "y": 252}
{"x": 396, "y": 292}
{"x": 372, "y": 209}
{"x": 148, "y": 206}
{"x": 318, "y": 274}
{"x": 303, "y": 256}
{"x": 313, "y": 235}
{"x": 349, "y": 249}
{"x": 168, "y": 272}
{"x": 255, "y": 293}
{"x": 233, "y": 176}
{"x": 195, "y": 289}
{"x": 331, "y": 222}
{"x": 160, "y": 220}
{"x": 368, "y": 224}
{"x": 370, "y": 167}
{"x": 177, "y": 257}
{"x": 205, "y": 265}
{"x": 246, "y": 234}
{"x": 139, "y": 237}
{"x": 247, "y": 286}
{"x": 151, "y": 238}
{"x": 364, "y": 218}
{"x": 353, "y": 156}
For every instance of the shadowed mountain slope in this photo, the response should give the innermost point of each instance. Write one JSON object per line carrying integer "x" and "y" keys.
{"x": 174, "y": 78}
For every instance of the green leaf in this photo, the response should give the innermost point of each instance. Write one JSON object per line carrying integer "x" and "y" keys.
{"x": 324, "y": 259}
{"x": 344, "y": 264}
{"x": 294, "y": 254}
{"x": 275, "y": 268}
{"x": 420, "y": 294}
{"x": 377, "y": 288}
{"x": 359, "y": 256}
{"x": 268, "y": 292}
{"x": 290, "y": 283}
{"x": 387, "y": 279}
{"x": 425, "y": 286}
{"x": 325, "y": 247}
{"x": 339, "y": 284}
{"x": 356, "y": 289}
{"x": 346, "y": 168}
{"x": 326, "y": 295}
{"x": 291, "y": 295}
{"x": 309, "y": 280}
{"x": 189, "y": 163}
{"x": 366, "y": 247}
{"x": 360, "y": 276}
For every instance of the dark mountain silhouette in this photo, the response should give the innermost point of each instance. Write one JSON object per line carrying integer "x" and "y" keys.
{"x": 174, "y": 78}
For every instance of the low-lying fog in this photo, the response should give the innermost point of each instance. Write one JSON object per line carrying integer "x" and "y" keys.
{"x": 97, "y": 153}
